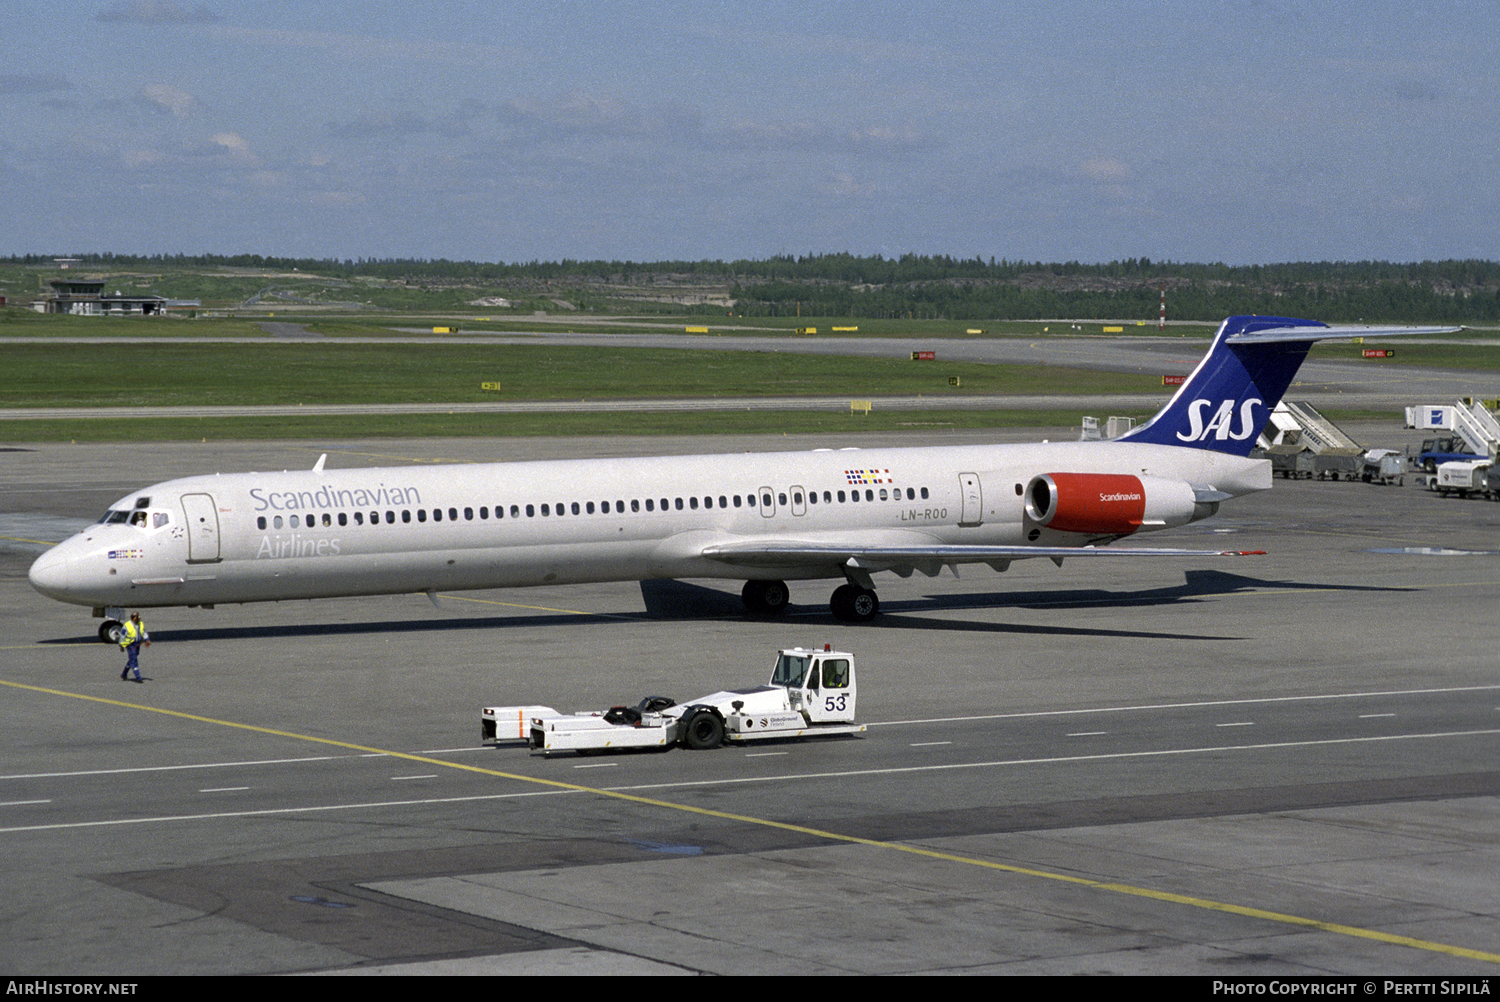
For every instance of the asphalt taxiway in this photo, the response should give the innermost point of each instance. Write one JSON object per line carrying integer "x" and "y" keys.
{"x": 1273, "y": 765}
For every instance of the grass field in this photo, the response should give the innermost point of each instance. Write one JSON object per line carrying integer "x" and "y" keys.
{"x": 278, "y": 372}
{"x": 333, "y": 370}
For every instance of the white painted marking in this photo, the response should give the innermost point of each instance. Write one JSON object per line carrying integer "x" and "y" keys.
{"x": 1085, "y": 734}
{"x": 766, "y": 754}
{"x": 227, "y": 765}
{"x": 1184, "y": 706}
{"x": 928, "y": 744}
{"x": 1054, "y": 760}
{"x": 430, "y": 775}
{"x": 1238, "y": 723}
{"x": 22, "y": 803}
{"x": 175, "y": 768}
{"x": 1372, "y": 716}
{"x": 272, "y": 812}
{"x": 1001, "y": 763}
{"x": 597, "y": 765}
{"x": 224, "y": 789}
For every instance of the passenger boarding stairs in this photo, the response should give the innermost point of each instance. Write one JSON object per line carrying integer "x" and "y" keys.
{"x": 1301, "y": 423}
{"x": 1469, "y": 419}
{"x": 1473, "y": 422}
{"x": 1299, "y": 441}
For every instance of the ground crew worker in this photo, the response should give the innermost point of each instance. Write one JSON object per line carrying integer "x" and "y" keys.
{"x": 132, "y": 635}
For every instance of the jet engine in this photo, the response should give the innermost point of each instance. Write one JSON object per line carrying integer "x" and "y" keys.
{"x": 1111, "y": 504}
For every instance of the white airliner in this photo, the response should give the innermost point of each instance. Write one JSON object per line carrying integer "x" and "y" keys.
{"x": 761, "y": 518}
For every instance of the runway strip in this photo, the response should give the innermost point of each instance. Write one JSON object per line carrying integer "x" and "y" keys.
{"x": 1117, "y": 888}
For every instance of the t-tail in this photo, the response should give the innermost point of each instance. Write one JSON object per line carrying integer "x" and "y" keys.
{"x": 1229, "y": 397}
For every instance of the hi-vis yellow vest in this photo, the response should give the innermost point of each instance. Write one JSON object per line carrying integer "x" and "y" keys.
{"x": 131, "y": 633}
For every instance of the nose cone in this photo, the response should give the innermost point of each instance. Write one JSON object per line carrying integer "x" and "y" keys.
{"x": 52, "y": 574}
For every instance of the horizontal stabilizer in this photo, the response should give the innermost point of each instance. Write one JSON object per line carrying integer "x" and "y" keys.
{"x": 1272, "y": 335}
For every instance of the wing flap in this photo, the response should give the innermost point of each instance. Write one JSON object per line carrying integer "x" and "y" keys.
{"x": 924, "y": 557}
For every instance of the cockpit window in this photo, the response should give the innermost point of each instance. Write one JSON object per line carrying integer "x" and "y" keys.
{"x": 159, "y": 519}
{"x": 115, "y": 517}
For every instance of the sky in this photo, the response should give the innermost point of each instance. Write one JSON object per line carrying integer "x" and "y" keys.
{"x": 1246, "y": 132}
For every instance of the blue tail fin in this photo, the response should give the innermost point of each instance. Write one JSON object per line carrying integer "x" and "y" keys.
{"x": 1229, "y": 397}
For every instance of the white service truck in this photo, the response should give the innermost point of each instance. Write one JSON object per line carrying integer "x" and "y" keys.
{"x": 811, "y": 692}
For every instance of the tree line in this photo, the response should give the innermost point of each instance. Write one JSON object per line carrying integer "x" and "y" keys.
{"x": 942, "y": 286}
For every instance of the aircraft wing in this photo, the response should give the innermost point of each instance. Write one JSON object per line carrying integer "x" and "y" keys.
{"x": 928, "y": 558}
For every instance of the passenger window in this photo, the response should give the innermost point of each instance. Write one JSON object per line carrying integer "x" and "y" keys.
{"x": 692, "y": 503}
{"x": 883, "y": 495}
{"x": 292, "y": 521}
{"x": 590, "y": 507}
{"x": 924, "y": 494}
{"x": 679, "y": 504}
{"x": 468, "y": 514}
{"x": 277, "y": 522}
{"x": 422, "y": 515}
{"x": 359, "y": 518}
{"x": 390, "y": 518}
{"x": 405, "y": 515}
{"x": 343, "y": 518}
{"x": 575, "y": 507}
{"x": 635, "y": 504}
{"x": 650, "y": 505}
{"x": 260, "y": 523}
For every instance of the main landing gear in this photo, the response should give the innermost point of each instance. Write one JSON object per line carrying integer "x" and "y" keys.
{"x": 850, "y": 602}
{"x": 765, "y": 598}
{"x": 854, "y": 604}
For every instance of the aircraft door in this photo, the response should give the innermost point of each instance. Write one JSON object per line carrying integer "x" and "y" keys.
{"x": 767, "y": 502}
{"x": 799, "y": 501}
{"x": 973, "y": 499}
{"x": 202, "y": 527}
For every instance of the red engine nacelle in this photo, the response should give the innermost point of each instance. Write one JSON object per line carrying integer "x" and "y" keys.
{"x": 1110, "y": 504}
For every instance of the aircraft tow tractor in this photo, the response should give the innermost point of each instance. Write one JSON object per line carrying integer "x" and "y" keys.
{"x": 811, "y": 692}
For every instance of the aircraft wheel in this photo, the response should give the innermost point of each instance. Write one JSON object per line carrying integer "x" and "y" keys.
{"x": 703, "y": 730}
{"x": 109, "y": 631}
{"x": 765, "y": 598}
{"x": 853, "y": 604}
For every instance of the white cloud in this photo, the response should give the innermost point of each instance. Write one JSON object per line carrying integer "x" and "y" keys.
{"x": 168, "y": 100}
